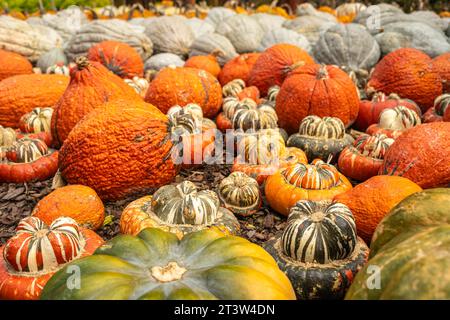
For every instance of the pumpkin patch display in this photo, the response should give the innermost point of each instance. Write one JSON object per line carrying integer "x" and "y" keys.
{"x": 37, "y": 251}
{"x": 393, "y": 122}
{"x": 440, "y": 111}
{"x": 324, "y": 91}
{"x": 441, "y": 64}
{"x": 315, "y": 181}
{"x": 319, "y": 250}
{"x": 208, "y": 63}
{"x": 238, "y": 68}
{"x": 12, "y": 64}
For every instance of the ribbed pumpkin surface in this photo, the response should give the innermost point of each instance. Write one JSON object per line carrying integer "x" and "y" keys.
{"x": 12, "y": 64}
{"x": 238, "y": 68}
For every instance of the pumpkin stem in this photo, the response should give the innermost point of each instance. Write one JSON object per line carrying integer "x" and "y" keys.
{"x": 81, "y": 62}
{"x": 394, "y": 96}
{"x": 171, "y": 272}
{"x": 295, "y": 66}
{"x": 323, "y": 73}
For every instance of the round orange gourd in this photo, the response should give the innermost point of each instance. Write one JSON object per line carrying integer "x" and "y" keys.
{"x": 118, "y": 149}
{"x": 274, "y": 65}
{"x": 441, "y": 64}
{"x": 238, "y": 68}
{"x": 409, "y": 73}
{"x": 118, "y": 57}
{"x": 78, "y": 202}
{"x": 371, "y": 200}
{"x": 91, "y": 85}
{"x": 12, "y": 64}
{"x": 208, "y": 63}
{"x": 181, "y": 86}
{"x": 324, "y": 91}
{"x": 21, "y": 94}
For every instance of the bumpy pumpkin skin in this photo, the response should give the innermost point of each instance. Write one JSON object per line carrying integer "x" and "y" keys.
{"x": 208, "y": 63}
{"x": 324, "y": 91}
{"x": 441, "y": 65}
{"x": 118, "y": 149}
{"x": 274, "y": 65}
{"x": 181, "y": 86}
{"x": 78, "y": 202}
{"x": 371, "y": 200}
{"x": 409, "y": 73}
{"x": 420, "y": 154}
{"x": 225, "y": 267}
{"x": 238, "y": 68}
{"x": 21, "y": 94}
{"x": 13, "y": 64}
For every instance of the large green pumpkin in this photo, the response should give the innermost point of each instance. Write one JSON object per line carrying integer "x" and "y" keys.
{"x": 157, "y": 265}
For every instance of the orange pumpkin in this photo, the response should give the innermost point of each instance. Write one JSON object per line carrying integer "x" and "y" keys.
{"x": 181, "y": 86}
{"x": 249, "y": 92}
{"x": 440, "y": 110}
{"x": 324, "y": 91}
{"x": 118, "y": 149}
{"x": 118, "y": 57}
{"x": 371, "y": 200}
{"x": 21, "y": 94}
{"x": 274, "y": 65}
{"x": 409, "y": 73}
{"x": 12, "y": 64}
{"x": 441, "y": 65}
{"x": 208, "y": 63}
{"x": 238, "y": 68}
{"x": 315, "y": 181}
{"x": 91, "y": 85}
{"x": 78, "y": 202}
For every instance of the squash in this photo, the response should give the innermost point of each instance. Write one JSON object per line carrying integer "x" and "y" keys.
{"x": 50, "y": 58}
{"x": 21, "y": 94}
{"x": 315, "y": 181}
{"x": 119, "y": 131}
{"x": 268, "y": 21}
{"x": 181, "y": 86}
{"x": 140, "y": 85}
{"x": 199, "y": 26}
{"x": 156, "y": 265}
{"x": 217, "y": 14}
{"x": 238, "y": 68}
{"x": 322, "y": 138}
{"x": 37, "y": 251}
{"x": 393, "y": 122}
{"x": 119, "y": 58}
{"x": 7, "y": 137}
{"x": 274, "y": 65}
{"x": 233, "y": 88}
{"x": 179, "y": 209}
{"x": 409, "y": 73}
{"x": 162, "y": 60}
{"x": 78, "y": 202}
{"x": 58, "y": 69}
{"x": 38, "y": 122}
{"x": 309, "y": 26}
{"x": 363, "y": 159}
{"x": 351, "y": 9}
{"x": 441, "y": 64}
{"x": 418, "y": 155}
{"x": 371, "y": 200}
{"x": 286, "y": 36}
{"x": 12, "y": 64}
{"x": 231, "y": 103}
{"x": 319, "y": 250}
{"x": 324, "y": 91}
{"x": 248, "y": 118}
{"x": 439, "y": 110}
{"x": 207, "y": 43}
{"x": 91, "y": 85}
{"x": 208, "y": 63}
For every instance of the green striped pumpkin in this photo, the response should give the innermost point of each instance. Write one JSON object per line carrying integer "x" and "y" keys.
{"x": 28, "y": 150}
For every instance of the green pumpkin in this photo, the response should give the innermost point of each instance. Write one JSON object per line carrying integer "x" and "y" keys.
{"x": 157, "y": 265}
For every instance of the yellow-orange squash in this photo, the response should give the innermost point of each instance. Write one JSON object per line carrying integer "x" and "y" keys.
{"x": 12, "y": 64}
{"x": 21, "y": 94}
{"x": 371, "y": 200}
{"x": 238, "y": 68}
{"x": 118, "y": 149}
{"x": 208, "y": 63}
{"x": 181, "y": 86}
{"x": 78, "y": 202}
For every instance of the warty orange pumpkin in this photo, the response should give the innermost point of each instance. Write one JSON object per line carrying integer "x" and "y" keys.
{"x": 12, "y": 64}
{"x": 238, "y": 68}
{"x": 208, "y": 63}
{"x": 441, "y": 64}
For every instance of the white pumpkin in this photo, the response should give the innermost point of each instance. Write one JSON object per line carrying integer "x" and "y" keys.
{"x": 162, "y": 60}
{"x": 243, "y": 32}
{"x": 210, "y": 42}
{"x": 268, "y": 21}
{"x": 200, "y": 26}
{"x": 283, "y": 35}
{"x": 218, "y": 14}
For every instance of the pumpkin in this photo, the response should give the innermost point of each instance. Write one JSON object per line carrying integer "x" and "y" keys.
{"x": 322, "y": 138}
{"x": 319, "y": 250}
{"x": 233, "y": 88}
{"x": 38, "y": 120}
{"x": 181, "y": 86}
{"x": 156, "y": 265}
{"x": 238, "y": 68}
{"x": 240, "y": 194}
{"x": 207, "y": 43}
{"x": 199, "y": 26}
{"x": 52, "y": 57}
{"x": 162, "y": 60}
{"x": 409, "y": 73}
{"x": 91, "y": 85}
{"x": 250, "y": 93}
{"x": 324, "y": 91}
{"x": 371, "y": 200}
{"x": 410, "y": 243}
{"x": 418, "y": 155}
{"x": 441, "y": 64}
{"x": 218, "y": 14}
{"x": 179, "y": 209}
{"x": 208, "y": 63}
{"x": 370, "y": 110}
{"x": 140, "y": 85}
{"x": 439, "y": 110}
{"x": 350, "y": 9}
{"x": 37, "y": 251}
{"x": 310, "y": 26}
{"x": 248, "y": 118}
{"x": 363, "y": 159}
{"x": 17, "y": 98}
{"x": 12, "y": 64}
{"x": 78, "y": 202}
{"x": 231, "y": 103}
{"x": 393, "y": 122}
{"x": 105, "y": 150}
{"x": 268, "y": 21}
{"x": 119, "y": 58}
{"x": 282, "y": 35}
{"x": 7, "y": 137}
{"x": 315, "y": 181}
{"x": 274, "y": 65}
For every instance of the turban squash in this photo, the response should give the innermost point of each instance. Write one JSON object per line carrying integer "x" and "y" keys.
{"x": 393, "y": 122}
{"x": 120, "y": 148}
{"x": 37, "y": 251}
{"x": 12, "y": 64}
{"x": 38, "y": 122}
{"x": 324, "y": 91}
{"x": 238, "y": 68}
{"x": 319, "y": 250}
{"x": 21, "y": 94}
{"x": 157, "y": 265}
{"x": 440, "y": 111}
{"x": 91, "y": 85}
{"x": 180, "y": 86}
